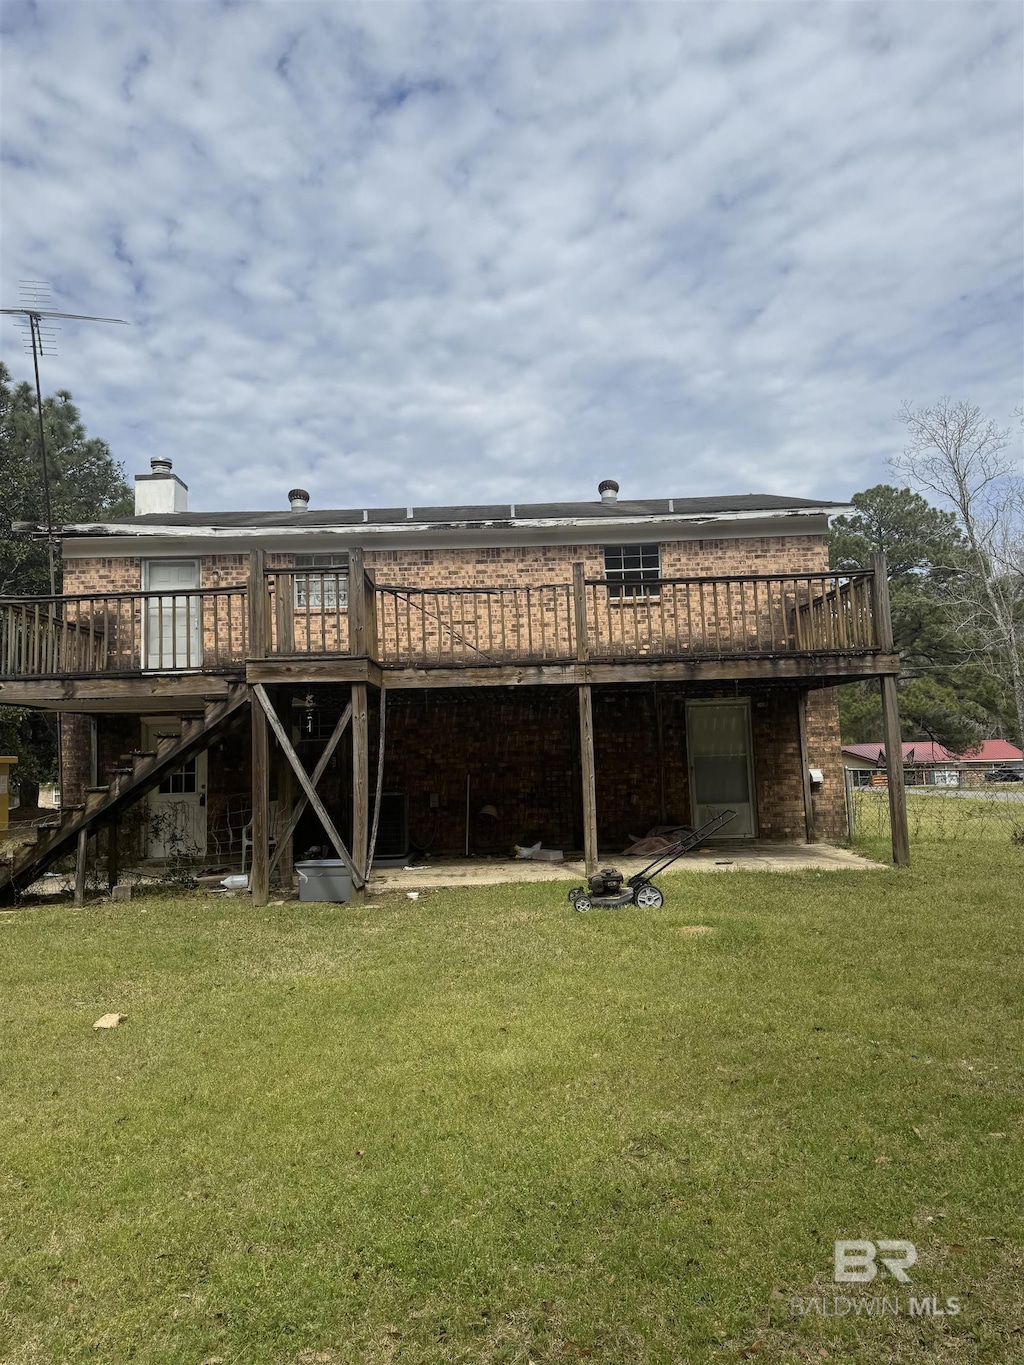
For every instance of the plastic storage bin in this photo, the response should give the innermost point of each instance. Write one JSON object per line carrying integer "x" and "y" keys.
{"x": 326, "y": 879}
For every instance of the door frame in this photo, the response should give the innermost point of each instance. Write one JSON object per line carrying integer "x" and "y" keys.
{"x": 169, "y": 722}
{"x": 193, "y": 665}
{"x": 743, "y": 702}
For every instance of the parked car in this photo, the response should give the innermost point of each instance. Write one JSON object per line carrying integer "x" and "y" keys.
{"x": 1006, "y": 772}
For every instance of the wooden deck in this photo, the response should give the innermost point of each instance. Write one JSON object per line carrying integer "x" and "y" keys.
{"x": 331, "y": 626}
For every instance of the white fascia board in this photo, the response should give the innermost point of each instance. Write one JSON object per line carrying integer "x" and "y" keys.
{"x": 89, "y": 540}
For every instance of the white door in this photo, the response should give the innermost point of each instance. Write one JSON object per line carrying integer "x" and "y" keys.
{"x": 172, "y": 621}
{"x": 721, "y": 765}
{"x": 177, "y": 807}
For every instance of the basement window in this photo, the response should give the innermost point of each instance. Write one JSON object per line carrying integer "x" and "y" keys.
{"x": 632, "y": 571}
{"x": 321, "y": 581}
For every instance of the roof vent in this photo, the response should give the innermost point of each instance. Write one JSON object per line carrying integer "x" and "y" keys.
{"x": 609, "y": 490}
{"x": 299, "y": 499}
{"x": 160, "y": 464}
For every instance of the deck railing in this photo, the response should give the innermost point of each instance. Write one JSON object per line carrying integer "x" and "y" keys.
{"x": 134, "y": 632}
{"x": 458, "y": 627}
{"x": 719, "y": 617}
{"x": 329, "y": 612}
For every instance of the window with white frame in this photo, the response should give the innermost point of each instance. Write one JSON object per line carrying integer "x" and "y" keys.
{"x": 321, "y": 581}
{"x": 632, "y": 570}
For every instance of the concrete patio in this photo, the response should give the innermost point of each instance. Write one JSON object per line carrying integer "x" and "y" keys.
{"x": 734, "y": 856}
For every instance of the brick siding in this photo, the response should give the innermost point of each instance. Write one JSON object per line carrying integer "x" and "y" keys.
{"x": 520, "y": 747}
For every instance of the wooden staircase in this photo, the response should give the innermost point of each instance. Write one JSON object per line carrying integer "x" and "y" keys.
{"x": 128, "y": 785}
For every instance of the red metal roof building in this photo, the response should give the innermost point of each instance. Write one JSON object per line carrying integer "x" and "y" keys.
{"x": 926, "y": 763}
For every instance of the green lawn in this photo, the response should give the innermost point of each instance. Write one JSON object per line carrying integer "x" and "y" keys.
{"x": 482, "y": 1128}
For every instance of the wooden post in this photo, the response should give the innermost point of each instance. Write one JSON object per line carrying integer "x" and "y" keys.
{"x": 370, "y": 614}
{"x": 579, "y": 603}
{"x": 891, "y": 737}
{"x": 589, "y": 779}
{"x": 83, "y": 848}
{"x": 894, "y": 771}
{"x": 259, "y": 877}
{"x": 880, "y": 609}
{"x": 805, "y": 771}
{"x": 113, "y": 867}
{"x": 356, "y": 603}
{"x": 259, "y": 622}
{"x": 360, "y": 779}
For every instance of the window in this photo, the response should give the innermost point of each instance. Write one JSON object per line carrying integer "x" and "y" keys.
{"x": 182, "y": 782}
{"x": 321, "y": 581}
{"x": 629, "y": 567}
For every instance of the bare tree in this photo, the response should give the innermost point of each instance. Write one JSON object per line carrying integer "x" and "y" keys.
{"x": 962, "y": 457}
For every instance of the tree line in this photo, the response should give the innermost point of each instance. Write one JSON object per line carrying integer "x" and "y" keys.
{"x": 956, "y": 580}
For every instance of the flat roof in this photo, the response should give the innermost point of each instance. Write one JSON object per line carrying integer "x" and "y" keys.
{"x": 478, "y": 513}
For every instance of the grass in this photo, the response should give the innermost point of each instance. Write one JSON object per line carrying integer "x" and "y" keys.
{"x": 483, "y": 1128}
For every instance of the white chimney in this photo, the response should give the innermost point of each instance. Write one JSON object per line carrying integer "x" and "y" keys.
{"x": 161, "y": 491}
{"x": 609, "y": 490}
{"x": 299, "y": 500}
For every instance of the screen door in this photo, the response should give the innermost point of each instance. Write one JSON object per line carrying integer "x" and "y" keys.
{"x": 172, "y": 620}
{"x": 721, "y": 767}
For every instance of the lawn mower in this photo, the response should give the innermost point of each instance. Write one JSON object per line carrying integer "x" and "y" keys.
{"x": 605, "y": 887}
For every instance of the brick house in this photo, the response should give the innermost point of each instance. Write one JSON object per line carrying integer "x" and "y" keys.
{"x": 929, "y": 764}
{"x": 572, "y": 672}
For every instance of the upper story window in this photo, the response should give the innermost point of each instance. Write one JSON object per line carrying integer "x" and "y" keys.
{"x": 629, "y": 567}
{"x": 324, "y": 584}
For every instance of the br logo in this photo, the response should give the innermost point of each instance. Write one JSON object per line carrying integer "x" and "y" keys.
{"x": 855, "y": 1262}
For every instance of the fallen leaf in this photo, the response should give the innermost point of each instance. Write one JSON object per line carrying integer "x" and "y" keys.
{"x": 919, "y": 1133}
{"x": 110, "y": 1020}
{"x": 750, "y": 1350}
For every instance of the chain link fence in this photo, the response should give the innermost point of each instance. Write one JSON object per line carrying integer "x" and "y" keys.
{"x": 994, "y": 811}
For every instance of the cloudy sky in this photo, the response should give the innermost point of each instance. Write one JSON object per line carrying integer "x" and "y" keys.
{"x": 463, "y": 251}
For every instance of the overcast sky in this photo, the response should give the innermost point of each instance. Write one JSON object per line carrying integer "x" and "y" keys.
{"x": 446, "y": 252}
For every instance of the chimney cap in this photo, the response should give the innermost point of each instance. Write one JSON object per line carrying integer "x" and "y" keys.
{"x": 160, "y": 464}
{"x": 299, "y": 499}
{"x": 608, "y": 489}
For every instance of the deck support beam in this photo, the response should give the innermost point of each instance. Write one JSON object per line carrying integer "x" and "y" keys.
{"x": 259, "y": 877}
{"x": 80, "y": 857}
{"x": 360, "y": 779}
{"x": 891, "y": 735}
{"x": 589, "y": 776}
{"x": 893, "y": 741}
{"x": 296, "y": 813}
{"x": 260, "y": 694}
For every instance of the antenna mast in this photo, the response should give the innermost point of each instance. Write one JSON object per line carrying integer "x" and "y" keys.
{"x": 42, "y": 340}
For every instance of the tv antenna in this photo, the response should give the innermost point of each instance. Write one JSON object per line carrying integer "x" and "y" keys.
{"x": 40, "y": 338}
